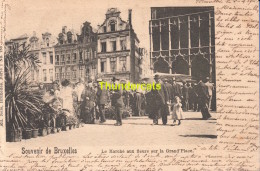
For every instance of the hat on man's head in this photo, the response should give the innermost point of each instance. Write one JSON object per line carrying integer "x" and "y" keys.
{"x": 156, "y": 76}
{"x": 65, "y": 83}
{"x": 173, "y": 79}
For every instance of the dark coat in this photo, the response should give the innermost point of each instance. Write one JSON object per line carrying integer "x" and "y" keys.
{"x": 202, "y": 91}
{"x": 102, "y": 96}
{"x": 169, "y": 90}
{"x": 117, "y": 99}
{"x": 177, "y": 91}
{"x": 163, "y": 94}
{"x": 185, "y": 92}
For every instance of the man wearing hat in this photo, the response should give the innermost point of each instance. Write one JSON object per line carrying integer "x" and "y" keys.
{"x": 161, "y": 97}
{"x": 210, "y": 89}
{"x": 169, "y": 89}
{"x": 117, "y": 102}
{"x": 176, "y": 88}
{"x": 101, "y": 101}
{"x": 203, "y": 98}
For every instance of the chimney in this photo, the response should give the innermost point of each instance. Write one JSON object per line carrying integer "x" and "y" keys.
{"x": 130, "y": 17}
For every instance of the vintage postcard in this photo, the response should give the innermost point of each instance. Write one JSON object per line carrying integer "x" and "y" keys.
{"x": 136, "y": 85}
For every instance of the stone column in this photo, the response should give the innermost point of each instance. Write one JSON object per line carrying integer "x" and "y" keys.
{"x": 98, "y": 66}
{"x": 118, "y": 67}
{"x": 108, "y": 65}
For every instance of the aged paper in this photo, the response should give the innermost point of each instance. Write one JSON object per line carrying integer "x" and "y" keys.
{"x": 235, "y": 142}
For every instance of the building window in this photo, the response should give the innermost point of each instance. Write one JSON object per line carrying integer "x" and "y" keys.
{"x": 51, "y": 74}
{"x": 51, "y": 58}
{"x": 68, "y": 58}
{"x": 44, "y": 75}
{"x": 95, "y": 53}
{"x": 74, "y": 58}
{"x": 113, "y": 44}
{"x": 57, "y": 60}
{"x": 81, "y": 72}
{"x": 113, "y": 64}
{"x": 57, "y": 76}
{"x": 105, "y": 29}
{"x": 123, "y": 44}
{"x": 80, "y": 56}
{"x": 62, "y": 59}
{"x": 103, "y": 65}
{"x": 90, "y": 54}
{"x": 123, "y": 63}
{"x": 103, "y": 47}
{"x": 113, "y": 26}
{"x": 87, "y": 56}
{"x": 44, "y": 58}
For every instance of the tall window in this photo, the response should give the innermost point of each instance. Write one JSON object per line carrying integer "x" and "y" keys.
{"x": 112, "y": 26}
{"x": 103, "y": 47}
{"x": 80, "y": 56}
{"x": 74, "y": 58}
{"x": 103, "y": 65}
{"x": 44, "y": 58}
{"x": 68, "y": 58}
{"x": 123, "y": 44}
{"x": 105, "y": 29}
{"x": 51, "y": 58}
{"x": 51, "y": 74}
{"x": 87, "y": 55}
{"x": 113, "y": 64}
{"x": 44, "y": 75}
{"x": 123, "y": 63}
{"x": 57, "y": 60}
{"x": 90, "y": 54}
{"x": 113, "y": 44}
{"x": 68, "y": 73}
{"x": 81, "y": 71}
{"x": 62, "y": 59}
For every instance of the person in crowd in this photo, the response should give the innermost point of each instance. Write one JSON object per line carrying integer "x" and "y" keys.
{"x": 185, "y": 93}
{"x": 117, "y": 102}
{"x": 66, "y": 93}
{"x": 169, "y": 89}
{"x": 176, "y": 89}
{"x": 177, "y": 111}
{"x": 138, "y": 102}
{"x": 42, "y": 89}
{"x": 101, "y": 100}
{"x": 87, "y": 106}
{"x": 210, "y": 90}
{"x": 161, "y": 98}
{"x": 190, "y": 89}
{"x": 203, "y": 98}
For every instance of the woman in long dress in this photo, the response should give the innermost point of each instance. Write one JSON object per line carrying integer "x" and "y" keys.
{"x": 66, "y": 93}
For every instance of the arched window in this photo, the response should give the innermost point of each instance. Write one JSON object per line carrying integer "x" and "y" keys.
{"x": 113, "y": 26}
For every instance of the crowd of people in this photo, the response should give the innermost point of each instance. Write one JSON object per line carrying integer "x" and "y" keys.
{"x": 88, "y": 101}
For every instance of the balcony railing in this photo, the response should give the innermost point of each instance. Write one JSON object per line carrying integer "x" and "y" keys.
{"x": 57, "y": 63}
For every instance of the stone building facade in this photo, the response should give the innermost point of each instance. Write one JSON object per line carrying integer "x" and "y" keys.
{"x": 117, "y": 48}
{"x": 75, "y": 55}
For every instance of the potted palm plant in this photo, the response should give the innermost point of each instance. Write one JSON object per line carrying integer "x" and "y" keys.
{"x": 20, "y": 100}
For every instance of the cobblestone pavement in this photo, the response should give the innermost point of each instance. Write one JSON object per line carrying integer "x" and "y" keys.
{"x": 134, "y": 131}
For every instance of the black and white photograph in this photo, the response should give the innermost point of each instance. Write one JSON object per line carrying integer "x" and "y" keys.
{"x": 141, "y": 85}
{"x": 58, "y": 76}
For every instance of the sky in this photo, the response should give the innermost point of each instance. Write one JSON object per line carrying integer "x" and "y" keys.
{"x": 26, "y": 16}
